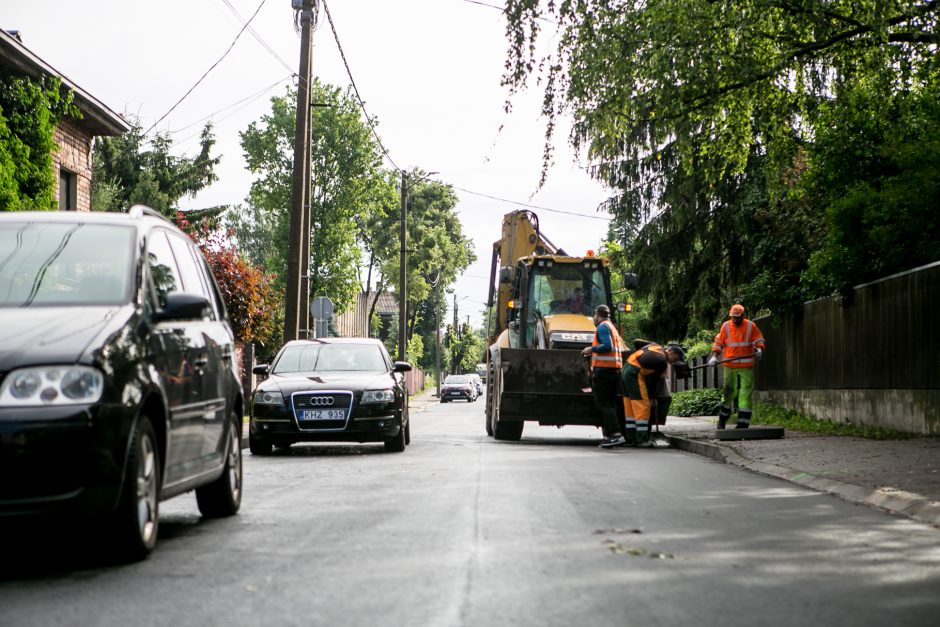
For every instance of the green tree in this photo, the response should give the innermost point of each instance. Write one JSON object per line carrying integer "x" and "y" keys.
{"x": 347, "y": 184}
{"x": 30, "y": 110}
{"x": 125, "y": 173}
{"x": 438, "y": 250}
{"x": 876, "y": 173}
{"x": 378, "y": 235}
{"x": 464, "y": 347}
{"x": 716, "y": 122}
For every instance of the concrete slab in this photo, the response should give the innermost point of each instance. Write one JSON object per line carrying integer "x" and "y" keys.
{"x": 753, "y": 433}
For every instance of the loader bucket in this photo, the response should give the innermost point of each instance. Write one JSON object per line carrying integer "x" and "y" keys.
{"x": 547, "y": 386}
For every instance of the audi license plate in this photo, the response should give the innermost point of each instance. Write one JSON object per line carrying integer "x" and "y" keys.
{"x": 322, "y": 414}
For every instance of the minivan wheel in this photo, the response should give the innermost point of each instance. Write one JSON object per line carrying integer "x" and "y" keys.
{"x": 223, "y": 496}
{"x": 137, "y": 517}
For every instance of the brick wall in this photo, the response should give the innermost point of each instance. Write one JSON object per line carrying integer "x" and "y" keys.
{"x": 74, "y": 155}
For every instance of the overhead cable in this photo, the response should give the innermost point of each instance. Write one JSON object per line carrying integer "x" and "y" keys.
{"x": 232, "y": 45}
{"x": 362, "y": 105}
{"x": 246, "y": 100}
{"x": 522, "y": 204}
{"x": 258, "y": 37}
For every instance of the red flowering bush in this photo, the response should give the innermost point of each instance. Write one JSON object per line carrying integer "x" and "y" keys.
{"x": 251, "y": 303}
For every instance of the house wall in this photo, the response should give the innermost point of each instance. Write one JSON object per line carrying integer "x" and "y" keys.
{"x": 74, "y": 154}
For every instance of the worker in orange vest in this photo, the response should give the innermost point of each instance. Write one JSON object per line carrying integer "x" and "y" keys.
{"x": 740, "y": 344}
{"x": 606, "y": 353}
{"x": 642, "y": 371}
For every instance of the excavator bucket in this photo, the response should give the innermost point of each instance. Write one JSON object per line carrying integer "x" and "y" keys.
{"x": 552, "y": 387}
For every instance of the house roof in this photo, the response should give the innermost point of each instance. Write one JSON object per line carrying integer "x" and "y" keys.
{"x": 98, "y": 118}
{"x": 387, "y": 303}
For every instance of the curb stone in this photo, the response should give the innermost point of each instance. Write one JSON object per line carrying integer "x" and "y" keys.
{"x": 889, "y": 499}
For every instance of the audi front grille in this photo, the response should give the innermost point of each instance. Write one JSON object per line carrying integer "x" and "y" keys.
{"x": 316, "y": 411}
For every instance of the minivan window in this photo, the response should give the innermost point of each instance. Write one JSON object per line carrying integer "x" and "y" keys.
{"x": 54, "y": 264}
{"x": 191, "y": 271}
{"x": 164, "y": 274}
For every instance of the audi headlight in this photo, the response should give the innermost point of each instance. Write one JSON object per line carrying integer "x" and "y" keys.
{"x": 268, "y": 398}
{"x": 377, "y": 396}
{"x": 571, "y": 336}
{"x": 52, "y": 385}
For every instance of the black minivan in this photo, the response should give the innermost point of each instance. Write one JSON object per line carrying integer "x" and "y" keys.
{"x": 119, "y": 383}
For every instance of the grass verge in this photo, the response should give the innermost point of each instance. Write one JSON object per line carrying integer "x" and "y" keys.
{"x": 705, "y": 401}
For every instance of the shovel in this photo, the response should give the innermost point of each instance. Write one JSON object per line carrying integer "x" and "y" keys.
{"x": 722, "y": 361}
{"x": 587, "y": 367}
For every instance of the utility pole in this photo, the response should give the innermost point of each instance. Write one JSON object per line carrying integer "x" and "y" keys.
{"x": 303, "y": 317}
{"x": 299, "y": 217}
{"x": 402, "y": 270}
{"x": 437, "y": 329}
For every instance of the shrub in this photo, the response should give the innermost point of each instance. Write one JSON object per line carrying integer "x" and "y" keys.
{"x": 703, "y": 402}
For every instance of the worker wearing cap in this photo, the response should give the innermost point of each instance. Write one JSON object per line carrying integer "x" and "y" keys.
{"x": 642, "y": 371}
{"x": 739, "y": 344}
{"x": 606, "y": 353}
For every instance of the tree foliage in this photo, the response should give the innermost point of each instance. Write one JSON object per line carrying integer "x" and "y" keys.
{"x": 765, "y": 150}
{"x": 438, "y": 251}
{"x": 348, "y": 185}
{"x": 126, "y": 173}
{"x": 30, "y": 110}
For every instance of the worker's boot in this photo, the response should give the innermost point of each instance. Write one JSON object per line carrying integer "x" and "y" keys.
{"x": 724, "y": 412}
{"x": 642, "y": 433}
{"x": 744, "y": 419}
{"x": 629, "y": 431}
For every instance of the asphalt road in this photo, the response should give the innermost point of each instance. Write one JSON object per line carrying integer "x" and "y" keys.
{"x": 462, "y": 530}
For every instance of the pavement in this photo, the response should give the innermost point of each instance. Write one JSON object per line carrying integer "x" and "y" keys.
{"x": 898, "y": 476}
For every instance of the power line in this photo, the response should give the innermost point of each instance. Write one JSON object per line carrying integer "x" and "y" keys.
{"x": 255, "y": 34}
{"x": 356, "y": 89}
{"x": 232, "y": 45}
{"x": 245, "y": 100}
{"x": 503, "y": 10}
{"x": 523, "y": 204}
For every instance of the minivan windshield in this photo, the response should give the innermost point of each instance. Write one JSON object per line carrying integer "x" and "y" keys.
{"x": 64, "y": 263}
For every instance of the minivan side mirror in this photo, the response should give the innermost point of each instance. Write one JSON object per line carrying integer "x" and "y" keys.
{"x": 402, "y": 366}
{"x": 261, "y": 369}
{"x": 182, "y": 306}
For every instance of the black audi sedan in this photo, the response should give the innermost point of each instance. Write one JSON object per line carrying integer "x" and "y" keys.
{"x": 330, "y": 390}
{"x": 119, "y": 386}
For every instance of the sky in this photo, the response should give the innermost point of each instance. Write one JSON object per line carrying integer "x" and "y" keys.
{"x": 428, "y": 70}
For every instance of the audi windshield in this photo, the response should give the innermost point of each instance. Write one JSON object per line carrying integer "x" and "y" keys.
{"x": 330, "y": 358}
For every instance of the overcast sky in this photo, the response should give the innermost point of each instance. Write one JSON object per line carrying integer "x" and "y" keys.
{"x": 429, "y": 70}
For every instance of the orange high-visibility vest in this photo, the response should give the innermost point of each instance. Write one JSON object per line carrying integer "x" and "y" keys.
{"x": 613, "y": 358}
{"x": 733, "y": 341}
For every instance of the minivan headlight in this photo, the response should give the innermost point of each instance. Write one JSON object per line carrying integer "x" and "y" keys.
{"x": 52, "y": 385}
{"x": 378, "y": 396}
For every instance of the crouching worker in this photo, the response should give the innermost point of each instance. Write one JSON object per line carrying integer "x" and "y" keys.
{"x": 642, "y": 371}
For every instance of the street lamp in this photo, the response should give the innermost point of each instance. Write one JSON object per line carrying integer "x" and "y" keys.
{"x": 403, "y": 263}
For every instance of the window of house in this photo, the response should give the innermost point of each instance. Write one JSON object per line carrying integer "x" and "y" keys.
{"x": 68, "y": 192}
